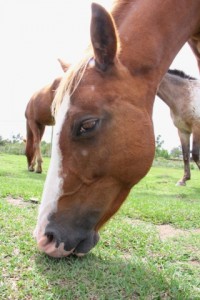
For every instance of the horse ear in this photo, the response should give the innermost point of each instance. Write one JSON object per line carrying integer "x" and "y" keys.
{"x": 103, "y": 37}
{"x": 64, "y": 65}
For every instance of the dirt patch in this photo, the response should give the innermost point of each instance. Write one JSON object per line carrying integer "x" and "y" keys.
{"x": 16, "y": 201}
{"x": 21, "y": 202}
{"x": 167, "y": 231}
{"x": 195, "y": 263}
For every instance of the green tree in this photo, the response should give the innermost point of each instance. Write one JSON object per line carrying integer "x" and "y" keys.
{"x": 17, "y": 138}
{"x": 160, "y": 152}
{"x": 176, "y": 152}
{"x": 2, "y": 141}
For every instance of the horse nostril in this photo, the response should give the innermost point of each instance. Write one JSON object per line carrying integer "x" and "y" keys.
{"x": 50, "y": 236}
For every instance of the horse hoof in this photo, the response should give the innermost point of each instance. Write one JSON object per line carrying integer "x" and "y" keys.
{"x": 38, "y": 171}
{"x": 180, "y": 183}
{"x": 31, "y": 169}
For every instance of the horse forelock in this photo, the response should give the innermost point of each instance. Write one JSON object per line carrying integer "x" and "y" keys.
{"x": 70, "y": 81}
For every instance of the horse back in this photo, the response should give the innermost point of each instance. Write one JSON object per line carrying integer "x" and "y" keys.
{"x": 39, "y": 106}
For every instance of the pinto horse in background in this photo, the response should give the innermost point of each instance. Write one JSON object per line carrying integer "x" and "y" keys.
{"x": 38, "y": 115}
{"x": 182, "y": 94}
{"x": 103, "y": 140}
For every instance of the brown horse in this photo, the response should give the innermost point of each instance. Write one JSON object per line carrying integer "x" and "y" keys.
{"x": 181, "y": 93}
{"x": 38, "y": 115}
{"x": 104, "y": 141}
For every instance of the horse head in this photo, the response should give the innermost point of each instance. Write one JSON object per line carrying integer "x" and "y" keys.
{"x": 103, "y": 145}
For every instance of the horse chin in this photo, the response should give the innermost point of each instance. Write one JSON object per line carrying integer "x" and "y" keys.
{"x": 86, "y": 245}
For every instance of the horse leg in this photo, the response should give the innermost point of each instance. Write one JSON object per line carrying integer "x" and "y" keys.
{"x": 185, "y": 144}
{"x": 29, "y": 151}
{"x": 38, "y": 150}
{"x": 35, "y": 144}
{"x": 196, "y": 147}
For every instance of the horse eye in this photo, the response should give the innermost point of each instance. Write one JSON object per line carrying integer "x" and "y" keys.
{"x": 87, "y": 126}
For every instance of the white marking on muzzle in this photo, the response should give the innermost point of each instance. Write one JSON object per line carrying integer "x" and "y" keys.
{"x": 53, "y": 184}
{"x": 51, "y": 249}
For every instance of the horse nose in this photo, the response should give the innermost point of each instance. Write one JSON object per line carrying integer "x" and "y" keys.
{"x": 51, "y": 244}
{"x": 50, "y": 236}
{"x": 47, "y": 243}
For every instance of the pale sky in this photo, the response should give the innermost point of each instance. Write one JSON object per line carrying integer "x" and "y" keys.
{"x": 34, "y": 33}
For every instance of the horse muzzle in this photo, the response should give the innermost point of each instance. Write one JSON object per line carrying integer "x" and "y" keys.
{"x": 58, "y": 247}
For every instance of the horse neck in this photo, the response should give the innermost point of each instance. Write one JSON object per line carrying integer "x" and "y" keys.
{"x": 174, "y": 91}
{"x": 152, "y": 33}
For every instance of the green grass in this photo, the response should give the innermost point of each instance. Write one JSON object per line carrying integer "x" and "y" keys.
{"x": 159, "y": 200}
{"x": 16, "y": 181}
{"x": 129, "y": 262}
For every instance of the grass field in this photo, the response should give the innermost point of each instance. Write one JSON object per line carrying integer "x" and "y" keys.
{"x": 149, "y": 250}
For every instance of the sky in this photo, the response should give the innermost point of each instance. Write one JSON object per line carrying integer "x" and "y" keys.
{"x": 34, "y": 34}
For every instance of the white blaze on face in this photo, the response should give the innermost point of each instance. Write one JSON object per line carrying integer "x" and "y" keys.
{"x": 53, "y": 184}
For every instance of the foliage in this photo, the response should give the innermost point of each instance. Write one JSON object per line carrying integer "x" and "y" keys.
{"x": 12, "y": 148}
{"x": 131, "y": 261}
{"x": 176, "y": 152}
{"x": 16, "y": 145}
{"x": 160, "y": 152}
{"x": 2, "y": 141}
{"x": 46, "y": 149}
{"x": 17, "y": 138}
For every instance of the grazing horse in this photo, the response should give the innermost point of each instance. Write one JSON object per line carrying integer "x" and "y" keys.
{"x": 181, "y": 93}
{"x": 38, "y": 115}
{"x": 104, "y": 141}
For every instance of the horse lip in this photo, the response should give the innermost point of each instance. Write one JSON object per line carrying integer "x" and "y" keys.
{"x": 51, "y": 249}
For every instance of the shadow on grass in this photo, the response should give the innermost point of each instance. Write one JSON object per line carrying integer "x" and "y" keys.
{"x": 108, "y": 272}
{"x": 95, "y": 277}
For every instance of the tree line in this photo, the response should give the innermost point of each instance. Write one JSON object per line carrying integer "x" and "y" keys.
{"x": 175, "y": 153}
{"x": 16, "y": 145}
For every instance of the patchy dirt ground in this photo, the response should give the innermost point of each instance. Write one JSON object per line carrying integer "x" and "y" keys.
{"x": 165, "y": 231}
{"x": 21, "y": 202}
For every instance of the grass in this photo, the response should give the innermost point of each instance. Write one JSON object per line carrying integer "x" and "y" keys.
{"x": 129, "y": 262}
{"x": 16, "y": 181}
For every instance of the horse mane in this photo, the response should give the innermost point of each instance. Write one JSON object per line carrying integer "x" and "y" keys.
{"x": 180, "y": 74}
